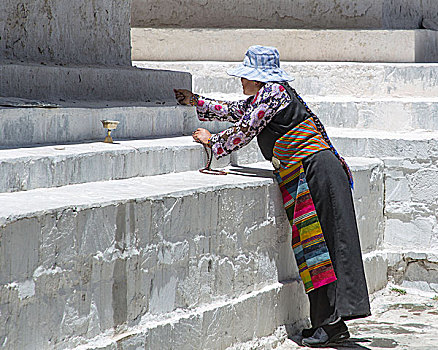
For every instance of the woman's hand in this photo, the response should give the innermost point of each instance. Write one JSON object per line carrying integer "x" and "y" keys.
{"x": 201, "y": 136}
{"x": 183, "y": 96}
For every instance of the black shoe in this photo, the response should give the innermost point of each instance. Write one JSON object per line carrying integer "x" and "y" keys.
{"x": 328, "y": 335}
{"x": 308, "y": 332}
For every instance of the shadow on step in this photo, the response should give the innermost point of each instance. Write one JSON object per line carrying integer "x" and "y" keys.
{"x": 251, "y": 172}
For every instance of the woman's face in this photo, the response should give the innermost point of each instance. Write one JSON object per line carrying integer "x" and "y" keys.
{"x": 250, "y": 87}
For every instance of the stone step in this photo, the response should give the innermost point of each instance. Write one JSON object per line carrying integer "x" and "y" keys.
{"x": 386, "y": 114}
{"x": 60, "y": 165}
{"x": 390, "y": 114}
{"x": 125, "y": 252}
{"x": 33, "y": 126}
{"x": 373, "y": 80}
{"x": 372, "y": 14}
{"x": 76, "y": 122}
{"x": 216, "y": 325}
{"x": 413, "y": 144}
{"x": 172, "y": 44}
{"x": 47, "y": 166}
{"x": 58, "y": 83}
{"x": 367, "y": 171}
{"x": 380, "y": 114}
{"x": 100, "y": 255}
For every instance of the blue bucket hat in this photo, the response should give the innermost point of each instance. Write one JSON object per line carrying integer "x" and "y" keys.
{"x": 261, "y": 63}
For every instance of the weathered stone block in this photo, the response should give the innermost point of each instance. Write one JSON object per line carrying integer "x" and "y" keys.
{"x": 368, "y": 198}
{"x": 376, "y": 270}
{"x": 293, "y": 44}
{"x": 217, "y": 326}
{"x": 397, "y": 189}
{"x": 373, "y": 14}
{"x": 416, "y": 232}
{"x": 414, "y": 269}
{"x": 66, "y": 32}
{"x": 109, "y": 85}
{"x": 422, "y": 275}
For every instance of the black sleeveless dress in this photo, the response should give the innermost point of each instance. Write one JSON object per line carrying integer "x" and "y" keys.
{"x": 330, "y": 189}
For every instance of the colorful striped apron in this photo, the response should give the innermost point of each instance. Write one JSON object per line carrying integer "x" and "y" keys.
{"x": 310, "y": 249}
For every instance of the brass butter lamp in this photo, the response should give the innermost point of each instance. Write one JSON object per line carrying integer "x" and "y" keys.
{"x": 110, "y": 125}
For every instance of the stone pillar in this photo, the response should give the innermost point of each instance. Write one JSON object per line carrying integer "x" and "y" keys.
{"x": 58, "y": 50}
{"x": 66, "y": 31}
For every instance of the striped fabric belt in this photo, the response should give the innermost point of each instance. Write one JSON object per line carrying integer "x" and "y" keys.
{"x": 297, "y": 144}
{"x": 308, "y": 243}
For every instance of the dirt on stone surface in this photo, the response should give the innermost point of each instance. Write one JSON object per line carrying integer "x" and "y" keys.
{"x": 398, "y": 321}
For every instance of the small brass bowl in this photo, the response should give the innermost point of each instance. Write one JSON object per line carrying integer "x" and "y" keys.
{"x": 109, "y": 125}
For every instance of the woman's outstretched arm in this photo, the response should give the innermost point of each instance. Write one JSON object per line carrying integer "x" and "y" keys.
{"x": 211, "y": 109}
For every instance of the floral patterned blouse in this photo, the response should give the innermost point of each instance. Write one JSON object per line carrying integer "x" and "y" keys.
{"x": 249, "y": 116}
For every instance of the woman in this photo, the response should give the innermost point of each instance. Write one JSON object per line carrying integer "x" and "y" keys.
{"x": 314, "y": 180}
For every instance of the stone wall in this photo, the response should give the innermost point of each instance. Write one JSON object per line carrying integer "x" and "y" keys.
{"x": 372, "y": 14}
{"x": 92, "y": 268}
{"x": 65, "y": 31}
{"x": 173, "y": 261}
